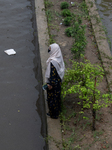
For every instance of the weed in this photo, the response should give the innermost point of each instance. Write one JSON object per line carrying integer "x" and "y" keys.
{"x": 49, "y": 15}
{"x": 65, "y": 63}
{"x": 69, "y": 31}
{"x": 98, "y": 20}
{"x": 52, "y": 26}
{"x": 64, "y": 5}
{"x": 98, "y": 116}
{"x": 57, "y": 14}
{"x": 78, "y": 32}
{"x": 78, "y": 49}
{"x": 67, "y": 21}
{"x": 68, "y": 128}
{"x": 81, "y": 139}
{"x": 96, "y": 134}
{"x": 66, "y": 12}
{"x": 79, "y": 19}
{"x": 84, "y": 8}
{"x": 48, "y": 4}
{"x": 51, "y": 40}
{"x": 84, "y": 126}
{"x": 67, "y": 145}
{"x": 57, "y": 143}
{"x": 107, "y": 146}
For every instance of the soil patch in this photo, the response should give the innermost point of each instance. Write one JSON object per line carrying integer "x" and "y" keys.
{"x": 77, "y": 132}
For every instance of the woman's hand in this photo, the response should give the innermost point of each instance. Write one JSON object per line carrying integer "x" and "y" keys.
{"x": 49, "y": 86}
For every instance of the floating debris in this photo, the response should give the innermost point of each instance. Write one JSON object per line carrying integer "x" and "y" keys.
{"x": 10, "y": 52}
{"x": 72, "y": 3}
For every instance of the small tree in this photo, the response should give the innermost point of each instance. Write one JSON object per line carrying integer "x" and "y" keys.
{"x": 83, "y": 78}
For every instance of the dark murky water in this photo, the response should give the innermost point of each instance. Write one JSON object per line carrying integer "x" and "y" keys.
{"x": 21, "y": 97}
{"x": 105, "y": 11}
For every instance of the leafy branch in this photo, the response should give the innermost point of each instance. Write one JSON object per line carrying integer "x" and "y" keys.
{"x": 84, "y": 78}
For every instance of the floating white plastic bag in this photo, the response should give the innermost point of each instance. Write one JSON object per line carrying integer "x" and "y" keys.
{"x": 10, "y": 52}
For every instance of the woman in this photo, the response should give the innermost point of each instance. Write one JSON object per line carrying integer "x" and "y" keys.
{"x": 54, "y": 75}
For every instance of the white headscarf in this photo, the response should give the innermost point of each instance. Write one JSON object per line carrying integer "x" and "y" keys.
{"x": 57, "y": 60}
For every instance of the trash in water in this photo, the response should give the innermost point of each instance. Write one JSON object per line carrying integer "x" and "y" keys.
{"x": 61, "y": 23}
{"x": 10, "y": 52}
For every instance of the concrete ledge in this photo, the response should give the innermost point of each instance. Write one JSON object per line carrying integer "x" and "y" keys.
{"x": 100, "y": 37}
{"x": 53, "y": 126}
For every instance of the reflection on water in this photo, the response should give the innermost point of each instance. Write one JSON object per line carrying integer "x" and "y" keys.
{"x": 105, "y": 11}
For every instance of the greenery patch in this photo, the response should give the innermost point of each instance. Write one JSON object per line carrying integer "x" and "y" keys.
{"x": 66, "y": 12}
{"x": 64, "y": 5}
{"x": 67, "y": 21}
{"x": 83, "y": 79}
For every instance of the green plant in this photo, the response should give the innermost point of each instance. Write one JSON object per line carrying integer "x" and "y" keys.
{"x": 77, "y": 49}
{"x": 80, "y": 40}
{"x": 69, "y": 31}
{"x": 57, "y": 143}
{"x": 51, "y": 40}
{"x": 79, "y": 19}
{"x": 83, "y": 79}
{"x": 76, "y": 26}
{"x": 78, "y": 32}
{"x": 49, "y": 15}
{"x": 97, "y": 133}
{"x": 67, "y": 21}
{"x": 66, "y": 12}
{"x": 47, "y": 3}
{"x": 57, "y": 13}
{"x": 84, "y": 7}
{"x": 64, "y": 5}
{"x": 67, "y": 144}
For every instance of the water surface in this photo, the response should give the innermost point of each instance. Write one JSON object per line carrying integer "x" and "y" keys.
{"x": 105, "y": 11}
{"x": 21, "y": 100}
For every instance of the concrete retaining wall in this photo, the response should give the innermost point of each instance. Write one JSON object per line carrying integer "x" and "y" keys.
{"x": 100, "y": 37}
{"x": 53, "y": 125}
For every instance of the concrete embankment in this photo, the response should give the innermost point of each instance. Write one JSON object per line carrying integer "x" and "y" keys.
{"x": 53, "y": 126}
{"x": 101, "y": 39}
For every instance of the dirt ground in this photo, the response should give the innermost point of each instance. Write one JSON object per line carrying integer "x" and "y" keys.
{"x": 78, "y": 131}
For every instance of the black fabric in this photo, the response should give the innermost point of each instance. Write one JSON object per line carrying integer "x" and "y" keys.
{"x": 53, "y": 95}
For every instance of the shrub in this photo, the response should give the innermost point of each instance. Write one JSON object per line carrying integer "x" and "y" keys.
{"x": 66, "y": 12}
{"x": 83, "y": 79}
{"x": 76, "y": 26}
{"x": 79, "y": 19}
{"x": 67, "y": 21}
{"x": 84, "y": 8}
{"x": 64, "y": 5}
{"x": 78, "y": 32}
{"x": 69, "y": 31}
{"x": 78, "y": 49}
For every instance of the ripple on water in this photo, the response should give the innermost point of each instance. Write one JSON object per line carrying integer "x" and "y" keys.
{"x": 105, "y": 11}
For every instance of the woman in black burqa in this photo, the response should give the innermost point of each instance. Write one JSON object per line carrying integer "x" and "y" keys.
{"x": 53, "y": 77}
